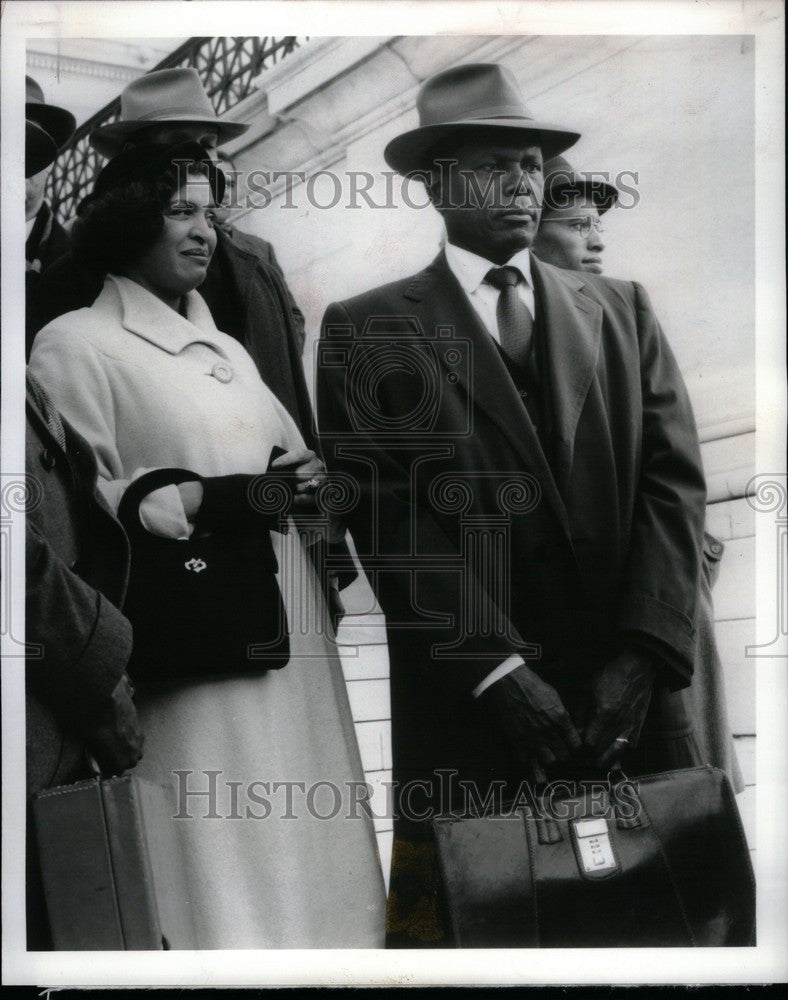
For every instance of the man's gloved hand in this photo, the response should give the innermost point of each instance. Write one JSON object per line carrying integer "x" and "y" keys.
{"x": 533, "y": 717}
{"x": 621, "y": 693}
{"x": 115, "y": 740}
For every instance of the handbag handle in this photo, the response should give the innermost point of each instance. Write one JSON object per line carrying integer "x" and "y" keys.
{"x": 138, "y": 489}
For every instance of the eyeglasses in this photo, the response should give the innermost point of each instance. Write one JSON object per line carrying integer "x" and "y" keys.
{"x": 582, "y": 224}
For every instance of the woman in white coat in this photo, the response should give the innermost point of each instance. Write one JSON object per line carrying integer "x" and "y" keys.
{"x": 259, "y": 761}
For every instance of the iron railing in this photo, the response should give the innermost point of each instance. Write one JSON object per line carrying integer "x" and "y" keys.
{"x": 226, "y": 66}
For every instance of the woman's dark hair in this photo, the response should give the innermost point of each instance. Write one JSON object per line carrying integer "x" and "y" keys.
{"x": 124, "y": 215}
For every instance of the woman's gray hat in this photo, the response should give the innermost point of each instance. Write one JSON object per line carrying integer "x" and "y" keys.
{"x": 473, "y": 96}
{"x": 561, "y": 181}
{"x": 163, "y": 97}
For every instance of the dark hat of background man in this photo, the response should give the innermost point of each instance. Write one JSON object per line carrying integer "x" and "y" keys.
{"x": 473, "y": 96}
{"x": 163, "y": 97}
{"x": 40, "y": 149}
{"x": 58, "y": 122}
{"x": 142, "y": 163}
{"x": 562, "y": 181}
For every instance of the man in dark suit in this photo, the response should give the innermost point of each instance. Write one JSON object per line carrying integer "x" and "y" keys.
{"x": 529, "y": 497}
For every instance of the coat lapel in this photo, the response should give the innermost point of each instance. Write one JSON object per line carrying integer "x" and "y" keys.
{"x": 573, "y": 328}
{"x": 146, "y": 316}
{"x": 444, "y": 304}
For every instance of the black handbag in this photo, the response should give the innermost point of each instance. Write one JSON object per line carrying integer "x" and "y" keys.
{"x": 659, "y": 860}
{"x": 206, "y": 605}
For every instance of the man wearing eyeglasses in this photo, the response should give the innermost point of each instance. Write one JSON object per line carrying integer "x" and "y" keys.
{"x": 530, "y": 492}
{"x": 570, "y": 229}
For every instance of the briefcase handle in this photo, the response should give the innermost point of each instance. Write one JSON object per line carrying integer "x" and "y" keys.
{"x": 624, "y": 799}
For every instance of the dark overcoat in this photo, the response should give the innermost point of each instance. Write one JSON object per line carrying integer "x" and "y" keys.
{"x": 77, "y": 565}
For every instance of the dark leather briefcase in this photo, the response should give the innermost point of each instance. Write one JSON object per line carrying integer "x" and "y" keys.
{"x": 111, "y": 867}
{"x": 654, "y": 861}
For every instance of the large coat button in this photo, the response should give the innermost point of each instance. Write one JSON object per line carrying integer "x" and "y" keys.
{"x": 48, "y": 460}
{"x": 222, "y": 372}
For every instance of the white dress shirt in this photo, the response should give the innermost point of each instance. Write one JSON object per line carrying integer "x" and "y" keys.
{"x": 470, "y": 270}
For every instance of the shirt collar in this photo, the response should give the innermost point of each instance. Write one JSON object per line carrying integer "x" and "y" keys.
{"x": 470, "y": 269}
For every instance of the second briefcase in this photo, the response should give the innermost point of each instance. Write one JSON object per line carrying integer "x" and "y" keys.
{"x": 657, "y": 861}
{"x": 111, "y": 866}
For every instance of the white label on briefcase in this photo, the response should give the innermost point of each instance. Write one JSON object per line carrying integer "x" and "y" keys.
{"x": 596, "y": 851}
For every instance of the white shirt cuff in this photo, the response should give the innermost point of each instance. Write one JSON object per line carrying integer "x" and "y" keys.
{"x": 500, "y": 671}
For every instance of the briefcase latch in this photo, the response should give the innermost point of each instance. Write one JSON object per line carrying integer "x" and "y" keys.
{"x": 593, "y": 842}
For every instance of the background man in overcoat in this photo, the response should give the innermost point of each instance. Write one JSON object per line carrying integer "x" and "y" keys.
{"x": 530, "y": 491}
{"x": 694, "y": 718}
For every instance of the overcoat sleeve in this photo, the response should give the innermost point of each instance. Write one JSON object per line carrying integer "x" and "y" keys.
{"x": 298, "y": 317}
{"x": 84, "y": 640}
{"x": 385, "y": 521}
{"x": 662, "y": 571}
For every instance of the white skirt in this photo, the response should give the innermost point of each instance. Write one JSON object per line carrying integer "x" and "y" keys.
{"x": 279, "y": 853}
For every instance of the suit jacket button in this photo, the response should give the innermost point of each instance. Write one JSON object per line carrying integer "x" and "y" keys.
{"x": 48, "y": 460}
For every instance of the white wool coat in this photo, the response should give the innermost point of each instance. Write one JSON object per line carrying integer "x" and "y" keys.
{"x": 149, "y": 388}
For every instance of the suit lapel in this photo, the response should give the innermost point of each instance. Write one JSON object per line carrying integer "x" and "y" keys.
{"x": 572, "y": 325}
{"x": 445, "y": 304}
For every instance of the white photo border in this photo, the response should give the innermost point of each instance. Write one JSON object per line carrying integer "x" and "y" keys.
{"x": 764, "y": 963}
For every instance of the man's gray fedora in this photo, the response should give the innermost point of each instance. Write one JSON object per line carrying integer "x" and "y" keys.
{"x": 561, "y": 181}
{"x": 163, "y": 97}
{"x": 469, "y": 97}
